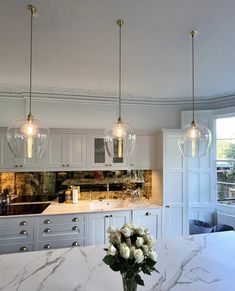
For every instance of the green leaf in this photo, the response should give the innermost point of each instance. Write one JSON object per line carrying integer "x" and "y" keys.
{"x": 115, "y": 267}
{"x": 136, "y": 268}
{"x": 138, "y": 280}
{"x": 150, "y": 262}
{"x": 130, "y": 274}
{"x": 146, "y": 270}
{"x": 109, "y": 260}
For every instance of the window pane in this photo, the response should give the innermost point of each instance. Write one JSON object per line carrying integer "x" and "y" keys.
{"x": 225, "y": 149}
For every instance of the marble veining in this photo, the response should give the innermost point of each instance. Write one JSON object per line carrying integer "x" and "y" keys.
{"x": 190, "y": 263}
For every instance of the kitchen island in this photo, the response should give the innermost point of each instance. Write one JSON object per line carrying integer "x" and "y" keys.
{"x": 199, "y": 262}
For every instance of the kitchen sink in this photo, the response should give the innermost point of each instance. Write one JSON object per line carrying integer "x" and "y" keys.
{"x": 106, "y": 204}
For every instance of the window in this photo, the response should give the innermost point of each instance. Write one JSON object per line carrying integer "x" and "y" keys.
{"x": 225, "y": 160}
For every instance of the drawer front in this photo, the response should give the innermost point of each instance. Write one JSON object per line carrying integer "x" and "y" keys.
{"x": 15, "y": 248}
{"x": 45, "y": 245}
{"x": 15, "y": 222}
{"x": 61, "y": 219}
{"x": 52, "y": 232}
{"x": 18, "y": 234}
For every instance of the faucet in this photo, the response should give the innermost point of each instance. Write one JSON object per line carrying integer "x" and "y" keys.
{"x": 107, "y": 185}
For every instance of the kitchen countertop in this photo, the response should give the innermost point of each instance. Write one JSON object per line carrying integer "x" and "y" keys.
{"x": 85, "y": 206}
{"x": 190, "y": 263}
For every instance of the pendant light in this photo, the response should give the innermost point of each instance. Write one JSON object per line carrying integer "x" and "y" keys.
{"x": 120, "y": 138}
{"x": 194, "y": 139}
{"x": 28, "y": 137}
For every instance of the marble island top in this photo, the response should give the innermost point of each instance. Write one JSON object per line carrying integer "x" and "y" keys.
{"x": 190, "y": 263}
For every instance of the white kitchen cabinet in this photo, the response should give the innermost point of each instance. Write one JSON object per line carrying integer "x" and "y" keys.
{"x": 17, "y": 234}
{"x": 174, "y": 198}
{"x": 98, "y": 224}
{"x": 149, "y": 218}
{"x": 99, "y": 158}
{"x": 57, "y": 231}
{"x": 144, "y": 153}
{"x": 9, "y": 163}
{"x": 66, "y": 151}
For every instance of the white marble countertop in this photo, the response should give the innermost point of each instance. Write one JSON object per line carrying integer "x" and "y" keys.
{"x": 190, "y": 263}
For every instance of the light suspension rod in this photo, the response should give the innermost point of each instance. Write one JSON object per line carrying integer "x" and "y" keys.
{"x": 120, "y": 23}
{"x": 33, "y": 11}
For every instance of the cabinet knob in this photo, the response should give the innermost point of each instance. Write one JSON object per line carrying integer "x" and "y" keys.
{"x": 47, "y": 247}
{"x": 148, "y": 213}
{"x": 20, "y": 166}
{"x": 67, "y": 165}
{"x": 75, "y": 244}
{"x": 110, "y": 215}
{"x": 23, "y": 232}
{"x": 75, "y": 219}
{"x": 167, "y": 206}
{"x": 23, "y": 249}
{"x": 16, "y": 166}
{"x": 106, "y": 216}
{"x": 131, "y": 164}
{"x": 47, "y": 230}
{"x": 47, "y": 221}
{"x": 75, "y": 228}
{"x": 23, "y": 223}
{"x": 63, "y": 165}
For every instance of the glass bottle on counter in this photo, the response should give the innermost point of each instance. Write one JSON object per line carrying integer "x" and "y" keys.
{"x": 68, "y": 196}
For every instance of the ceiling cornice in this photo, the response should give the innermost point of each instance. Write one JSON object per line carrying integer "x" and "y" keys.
{"x": 102, "y": 96}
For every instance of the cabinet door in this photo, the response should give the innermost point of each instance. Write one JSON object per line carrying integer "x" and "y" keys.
{"x": 117, "y": 219}
{"x": 76, "y": 155}
{"x": 7, "y": 159}
{"x": 97, "y": 228}
{"x": 144, "y": 153}
{"x": 149, "y": 218}
{"x": 55, "y": 156}
{"x": 174, "y": 185}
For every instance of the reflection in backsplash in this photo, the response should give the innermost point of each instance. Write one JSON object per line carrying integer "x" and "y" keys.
{"x": 106, "y": 184}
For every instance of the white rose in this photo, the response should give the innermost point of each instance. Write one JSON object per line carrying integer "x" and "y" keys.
{"x": 138, "y": 255}
{"x": 145, "y": 249}
{"x": 126, "y": 231}
{"x": 153, "y": 255}
{"x": 125, "y": 252}
{"x": 118, "y": 237}
{"x": 139, "y": 241}
{"x": 112, "y": 250}
{"x": 112, "y": 238}
{"x": 150, "y": 242}
{"x": 132, "y": 249}
{"x": 110, "y": 229}
{"x": 129, "y": 225}
{"x": 141, "y": 230}
{"x": 147, "y": 231}
{"x": 128, "y": 241}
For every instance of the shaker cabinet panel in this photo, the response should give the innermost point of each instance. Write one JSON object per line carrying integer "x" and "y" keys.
{"x": 76, "y": 156}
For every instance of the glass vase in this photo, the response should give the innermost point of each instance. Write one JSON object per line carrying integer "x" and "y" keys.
{"x": 129, "y": 284}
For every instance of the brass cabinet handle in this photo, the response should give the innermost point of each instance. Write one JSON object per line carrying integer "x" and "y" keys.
{"x": 75, "y": 219}
{"x": 23, "y": 249}
{"x": 23, "y": 223}
{"x": 47, "y": 221}
{"x": 75, "y": 244}
{"x": 24, "y": 232}
{"x": 75, "y": 228}
{"x": 47, "y": 230}
{"x": 47, "y": 247}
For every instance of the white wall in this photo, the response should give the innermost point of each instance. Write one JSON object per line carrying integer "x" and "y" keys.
{"x": 78, "y": 114}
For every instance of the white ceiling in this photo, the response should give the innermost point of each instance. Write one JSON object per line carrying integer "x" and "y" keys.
{"x": 76, "y": 45}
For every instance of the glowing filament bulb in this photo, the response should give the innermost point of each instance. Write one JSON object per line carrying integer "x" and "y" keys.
{"x": 29, "y": 132}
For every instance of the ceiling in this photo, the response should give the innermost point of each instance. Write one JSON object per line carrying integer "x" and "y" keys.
{"x": 76, "y": 46}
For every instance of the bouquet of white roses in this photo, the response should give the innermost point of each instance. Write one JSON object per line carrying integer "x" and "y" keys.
{"x": 131, "y": 251}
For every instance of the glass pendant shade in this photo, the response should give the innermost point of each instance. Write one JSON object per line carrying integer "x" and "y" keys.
{"x": 28, "y": 137}
{"x": 194, "y": 140}
{"x": 119, "y": 140}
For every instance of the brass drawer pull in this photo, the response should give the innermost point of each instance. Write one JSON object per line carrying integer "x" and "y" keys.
{"x": 75, "y": 228}
{"x": 24, "y": 232}
{"x": 75, "y": 244}
{"x": 47, "y": 247}
{"x": 47, "y": 230}
{"x": 47, "y": 221}
{"x": 23, "y": 249}
{"x": 23, "y": 223}
{"x": 75, "y": 219}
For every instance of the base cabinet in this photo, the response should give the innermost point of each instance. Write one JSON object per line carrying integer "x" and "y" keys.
{"x": 98, "y": 224}
{"x": 149, "y": 218}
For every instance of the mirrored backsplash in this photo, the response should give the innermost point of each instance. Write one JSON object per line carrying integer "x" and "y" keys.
{"x": 106, "y": 184}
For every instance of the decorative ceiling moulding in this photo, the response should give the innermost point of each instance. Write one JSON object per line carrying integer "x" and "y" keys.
{"x": 51, "y": 94}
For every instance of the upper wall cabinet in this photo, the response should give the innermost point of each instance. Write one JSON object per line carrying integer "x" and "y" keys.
{"x": 66, "y": 151}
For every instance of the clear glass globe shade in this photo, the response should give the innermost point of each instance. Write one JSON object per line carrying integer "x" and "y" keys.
{"x": 28, "y": 138}
{"x": 119, "y": 140}
{"x": 194, "y": 140}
